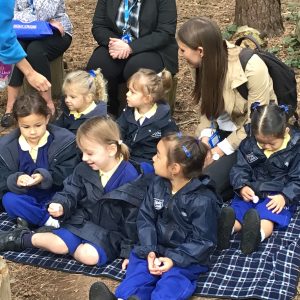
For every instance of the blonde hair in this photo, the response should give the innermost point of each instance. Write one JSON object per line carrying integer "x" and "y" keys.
{"x": 150, "y": 83}
{"x": 91, "y": 82}
{"x": 103, "y": 130}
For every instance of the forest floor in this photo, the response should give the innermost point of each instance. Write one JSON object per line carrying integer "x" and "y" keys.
{"x": 35, "y": 283}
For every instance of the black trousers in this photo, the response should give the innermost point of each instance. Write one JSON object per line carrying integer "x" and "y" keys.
{"x": 40, "y": 53}
{"x": 117, "y": 71}
{"x": 219, "y": 173}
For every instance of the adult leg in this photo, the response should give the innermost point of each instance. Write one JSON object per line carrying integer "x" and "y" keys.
{"x": 138, "y": 280}
{"x": 178, "y": 283}
{"x": 112, "y": 70}
{"x": 219, "y": 172}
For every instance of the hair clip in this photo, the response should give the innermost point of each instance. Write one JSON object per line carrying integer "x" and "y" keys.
{"x": 284, "y": 108}
{"x": 186, "y": 151}
{"x": 120, "y": 142}
{"x": 255, "y": 105}
{"x": 92, "y": 73}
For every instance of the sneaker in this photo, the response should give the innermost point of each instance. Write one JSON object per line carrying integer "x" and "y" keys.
{"x": 99, "y": 291}
{"x": 7, "y": 120}
{"x": 21, "y": 223}
{"x": 12, "y": 240}
{"x": 225, "y": 225}
{"x": 250, "y": 239}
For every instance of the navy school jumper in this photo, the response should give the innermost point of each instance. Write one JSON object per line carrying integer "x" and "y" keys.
{"x": 143, "y": 139}
{"x": 103, "y": 216}
{"x": 67, "y": 121}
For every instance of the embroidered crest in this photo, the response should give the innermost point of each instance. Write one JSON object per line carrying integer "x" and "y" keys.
{"x": 251, "y": 157}
{"x": 156, "y": 134}
{"x": 158, "y": 203}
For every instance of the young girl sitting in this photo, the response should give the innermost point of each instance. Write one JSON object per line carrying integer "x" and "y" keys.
{"x": 177, "y": 227}
{"x": 81, "y": 90}
{"x": 266, "y": 179}
{"x": 34, "y": 161}
{"x": 98, "y": 205}
{"x": 147, "y": 117}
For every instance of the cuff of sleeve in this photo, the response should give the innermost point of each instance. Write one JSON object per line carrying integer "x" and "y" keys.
{"x": 206, "y": 132}
{"x": 12, "y": 184}
{"x": 226, "y": 147}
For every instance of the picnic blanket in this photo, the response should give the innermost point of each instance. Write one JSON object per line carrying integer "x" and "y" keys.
{"x": 270, "y": 273}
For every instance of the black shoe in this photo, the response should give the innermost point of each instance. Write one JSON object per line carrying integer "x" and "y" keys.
{"x": 21, "y": 223}
{"x": 7, "y": 120}
{"x": 250, "y": 239}
{"x": 99, "y": 291}
{"x": 225, "y": 225}
{"x": 133, "y": 298}
{"x": 12, "y": 240}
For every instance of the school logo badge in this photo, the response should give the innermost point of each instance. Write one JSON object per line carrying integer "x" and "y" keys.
{"x": 156, "y": 134}
{"x": 158, "y": 203}
{"x": 251, "y": 157}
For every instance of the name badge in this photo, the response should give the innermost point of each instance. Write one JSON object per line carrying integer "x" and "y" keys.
{"x": 214, "y": 140}
{"x": 126, "y": 38}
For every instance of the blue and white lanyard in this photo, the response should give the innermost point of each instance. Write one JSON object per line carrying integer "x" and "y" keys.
{"x": 127, "y": 12}
{"x": 30, "y": 2}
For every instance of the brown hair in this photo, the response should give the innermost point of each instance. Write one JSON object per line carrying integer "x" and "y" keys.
{"x": 29, "y": 104}
{"x": 103, "y": 130}
{"x": 91, "y": 82}
{"x": 150, "y": 83}
{"x": 187, "y": 151}
{"x": 210, "y": 75}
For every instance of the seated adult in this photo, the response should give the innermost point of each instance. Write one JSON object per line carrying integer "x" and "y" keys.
{"x": 223, "y": 111}
{"x": 133, "y": 34}
{"x": 40, "y": 52}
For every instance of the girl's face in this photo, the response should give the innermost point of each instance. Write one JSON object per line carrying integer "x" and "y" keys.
{"x": 160, "y": 161}
{"x": 33, "y": 127}
{"x": 97, "y": 156}
{"x": 269, "y": 142}
{"x": 193, "y": 57}
{"x": 136, "y": 98}
{"x": 76, "y": 100}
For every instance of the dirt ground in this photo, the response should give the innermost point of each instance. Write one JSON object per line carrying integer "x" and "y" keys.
{"x": 34, "y": 283}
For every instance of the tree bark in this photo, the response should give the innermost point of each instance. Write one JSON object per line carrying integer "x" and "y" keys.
{"x": 4, "y": 281}
{"x": 263, "y": 15}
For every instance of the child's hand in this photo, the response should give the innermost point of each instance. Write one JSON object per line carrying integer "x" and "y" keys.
{"x": 125, "y": 264}
{"x": 247, "y": 193}
{"x": 153, "y": 268}
{"x": 167, "y": 264}
{"x": 55, "y": 210}
{"x": 24, "y": 180}
{"x": 276, "y": 203}
{"x": 35, "y": 179}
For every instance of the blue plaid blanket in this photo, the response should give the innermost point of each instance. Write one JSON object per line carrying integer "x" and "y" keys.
{"x": 270, "y": 273}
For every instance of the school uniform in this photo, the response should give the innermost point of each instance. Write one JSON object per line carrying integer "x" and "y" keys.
{"x": 72, "y": 120}
{"x": 268, "y": 174}
{"x": 182, "y": 227}
{"x": 142, "y": 139}
{"x": 101, "y": 216}
{"x": 54, "y": 160}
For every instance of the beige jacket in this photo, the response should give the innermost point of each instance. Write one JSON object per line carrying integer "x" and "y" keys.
{"x": 260, "y": 87}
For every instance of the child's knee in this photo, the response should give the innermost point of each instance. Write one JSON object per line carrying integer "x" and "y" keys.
{"x": 87, "y": 254}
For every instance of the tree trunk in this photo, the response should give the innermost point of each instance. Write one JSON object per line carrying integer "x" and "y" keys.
{"x": 263, "y": 15}
{"x": 4, "y": 281}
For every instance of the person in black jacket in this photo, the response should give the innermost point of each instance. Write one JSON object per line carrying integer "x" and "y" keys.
{"x": 98, "y": 205}
{"x": 147, "y": 117}
{"x": 133, "y": 34}
{"x": 177, "y": 227}
{"x": 266, "y": 179}
{"x": 34, "y": 161}
{"x": 85, "y": 97}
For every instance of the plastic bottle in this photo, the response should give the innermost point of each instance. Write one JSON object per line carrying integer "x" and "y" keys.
{"x": 5, "y": 74}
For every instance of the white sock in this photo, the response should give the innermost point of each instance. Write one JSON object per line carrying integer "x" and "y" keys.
{"x": 232, "y": 231}
{"x": 52, "y": 222}
{"x": 263, "y": 235}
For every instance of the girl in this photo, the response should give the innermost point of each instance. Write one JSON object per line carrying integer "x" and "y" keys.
{"x": 35, "y": 159}
{"x": 81, "y": 89}
{"x": 98, "y": 205}
{"x": 223, "y": 111}
{"x": 147, "y": 117}
{"x": 177, "y": 227}
{"x": 266, "y": 179}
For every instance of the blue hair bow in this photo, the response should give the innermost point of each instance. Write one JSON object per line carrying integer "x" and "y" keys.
{"x": 255, "y": 105}
{"x": 284, "y": 108}
{"x": 92, "y": 73}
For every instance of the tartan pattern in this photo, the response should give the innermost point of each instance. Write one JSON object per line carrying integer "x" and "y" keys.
{"x": 270, "y": 273}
